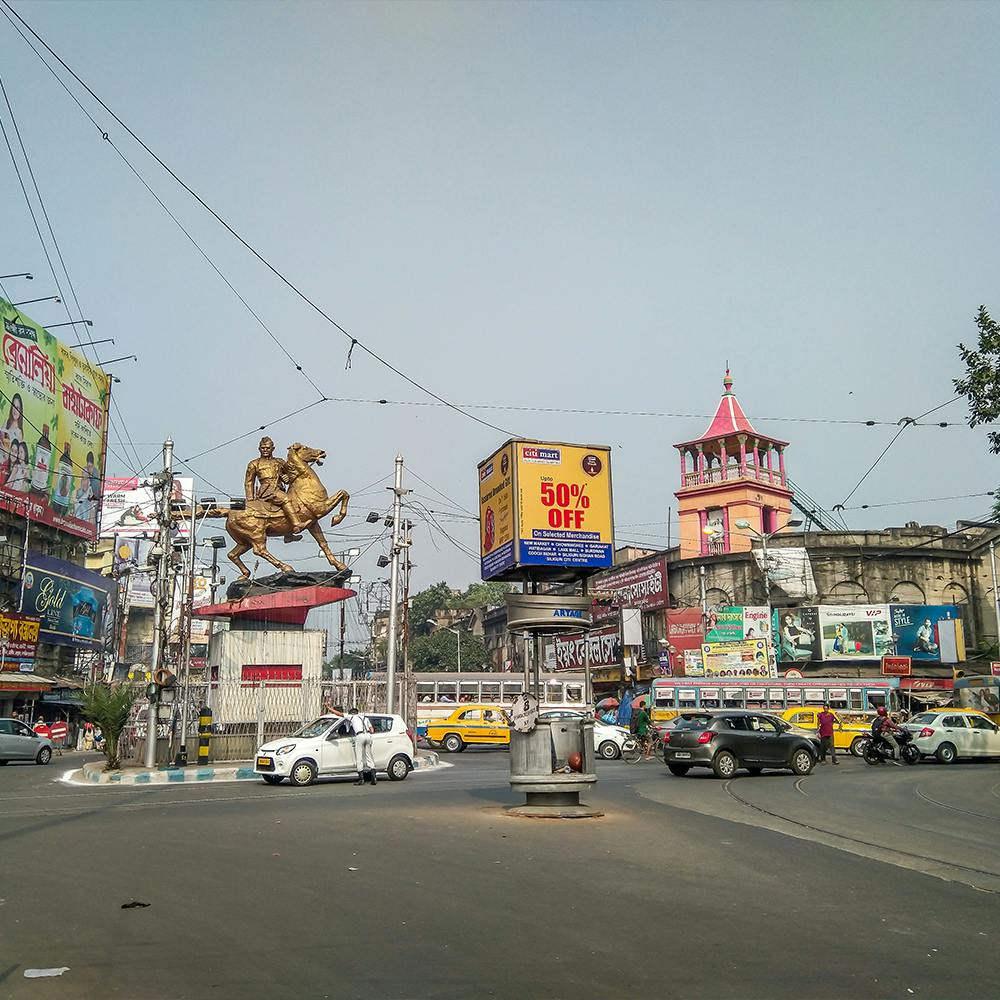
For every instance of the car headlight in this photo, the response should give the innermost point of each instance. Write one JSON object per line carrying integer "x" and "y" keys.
{"x": 287, "y": 748}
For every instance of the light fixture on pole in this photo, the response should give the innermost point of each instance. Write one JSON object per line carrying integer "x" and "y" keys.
{"x": 111, "y": 361}
{"x": 80, "y": 322}
{"x": 745, "y": 525}
{"x": 45, "y": 298}
{"x": 26, "y": 275}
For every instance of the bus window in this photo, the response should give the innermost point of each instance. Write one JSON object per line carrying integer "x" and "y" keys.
{"x": 793, "y": 697}
{"x": 554, "y": 693}
{"x": 857, "y": 699}
{"x": 876, "y": 698}
{"x": 664, "y": 697}
{"x": 574, "y": 693}
{"x": 776, "y": 699}
{"x": 755, "y": 698}
{"x": 446, "y": 692}
{"x": 709, "y": 697}
{"x": 838, "y": 698}
{"x": 814, "y": 696}
{"x": 686, "y": 698}
{"x": 490, "y": 692}
{"x": 468, "y": 691}
{"x": 425, "y": 691}
{"x": 511, "y": 689}
{"x": 732, "y": 698}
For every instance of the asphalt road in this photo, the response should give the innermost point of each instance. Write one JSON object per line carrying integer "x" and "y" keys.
{"x": 855, "y": 882}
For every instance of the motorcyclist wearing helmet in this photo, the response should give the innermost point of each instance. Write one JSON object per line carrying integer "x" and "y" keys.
{"x": 883, "y": 728}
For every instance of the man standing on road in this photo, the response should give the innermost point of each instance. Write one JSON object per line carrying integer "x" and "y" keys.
{"x": 826, "y": 723}
{"x": 364, "y": 761}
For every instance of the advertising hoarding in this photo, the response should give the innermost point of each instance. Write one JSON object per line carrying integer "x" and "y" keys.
{"x": 896, "y": 666}
{"x": 605, "y": 649}
{"x": 736, "y": 624}
{"x": 798, "y": 634}
{"x": 545, "y": 505}
{"x": 789, "y": 570}
{"x": 53, "y": 423}
{"x": 70, "y": 601}
{"x": 129, "y": 508}
{"x": 18, "y": 637}
{"x": 748, "y": 658}
{"x": 855, "y": 632}
{"x": 916, "y": 632}
{"x": 639, "y": 585}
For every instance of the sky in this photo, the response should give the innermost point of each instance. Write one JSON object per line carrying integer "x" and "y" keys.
{"x": 548, "y": 206}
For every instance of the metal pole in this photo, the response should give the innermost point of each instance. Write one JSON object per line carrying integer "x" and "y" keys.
{"x": 588, "y": 686}
{"x": 767, "y": 594}
{"x": 701, "y": 588}
{"x": 390, "y": 666}
{"x": 343, "y": 632}
{"x": 996, "y": 593}
{"x": 162, "y": 576}
{"x": 182, "y": 755}
{"x": 458, "y": 636}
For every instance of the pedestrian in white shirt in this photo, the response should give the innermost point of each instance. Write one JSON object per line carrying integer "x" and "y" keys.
{"x": 364, "y": 760}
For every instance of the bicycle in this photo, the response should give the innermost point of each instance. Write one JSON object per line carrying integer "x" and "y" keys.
{"x": 635, "y": 749}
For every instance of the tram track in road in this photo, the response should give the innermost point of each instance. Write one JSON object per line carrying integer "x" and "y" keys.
{"x": 956, "y": 809}
{"x": 913, "y": 856}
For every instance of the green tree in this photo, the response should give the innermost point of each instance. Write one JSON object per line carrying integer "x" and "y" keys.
{"x": 109, "y": 706}
{"x": 440, "y": 652}
{"x": 483, "y": 595}
{"x": 981, "y": 384}
{"x": 424, "y": 604}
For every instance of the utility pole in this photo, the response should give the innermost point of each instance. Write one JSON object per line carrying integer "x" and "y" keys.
{"x": 409, "y": 709}
{"x": 996, "y": 593}
{"x": 182, "y": 756}
{"x": 343, "y": 633}
{"x": 164, "y": 590}
{"x": 390, "y": 667}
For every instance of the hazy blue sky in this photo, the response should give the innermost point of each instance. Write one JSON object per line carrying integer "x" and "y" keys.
{"x": 552, "y": 205}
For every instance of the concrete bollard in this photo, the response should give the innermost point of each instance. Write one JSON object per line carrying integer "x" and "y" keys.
{"x": 204, "y": 733}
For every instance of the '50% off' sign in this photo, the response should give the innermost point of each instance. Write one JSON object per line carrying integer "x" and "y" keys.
{"x": 567, "y": 504}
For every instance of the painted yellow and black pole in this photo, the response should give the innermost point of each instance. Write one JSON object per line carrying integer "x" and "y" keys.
{"x": 204, "y": 733}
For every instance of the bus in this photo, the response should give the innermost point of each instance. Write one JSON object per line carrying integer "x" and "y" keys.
{"x": 438, "y": 694}
{"x": 671, "y": 695}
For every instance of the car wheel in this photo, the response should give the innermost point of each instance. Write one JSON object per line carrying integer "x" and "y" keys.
{"x": 609, "y": 750}
{"x": 858, "y": 746}
{"x": 679, "y": 769}
{"x": 303, "y": 773}
{"x": 802, "y": 762}
{"x": 453, "y": 743}
{"x": 946, "y": 753}
{"x": 755, "y": 771}
{"x": 4, "y": 761}
{"x": 273, "y": 779}
{"x": 724, "y": 765}
{"x": 44, "y": 756}
{"x": 399, "y": 767}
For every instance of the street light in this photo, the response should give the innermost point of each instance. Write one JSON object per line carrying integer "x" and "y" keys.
{"x": 458, "y": 636}
{"x": 745, "y": 525}
{"x": 25, "y": 275}
{"x": 46, "y": 298}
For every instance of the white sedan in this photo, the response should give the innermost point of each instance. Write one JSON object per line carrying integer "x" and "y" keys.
{"x": 949, "y": 734}
{"x": 608, "y": 740}
{"x": 324, "y": 748}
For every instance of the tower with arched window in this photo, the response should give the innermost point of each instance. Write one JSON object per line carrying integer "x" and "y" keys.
{"x": 731, "y": 473}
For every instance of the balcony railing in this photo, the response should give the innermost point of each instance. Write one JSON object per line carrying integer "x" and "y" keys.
{"x": 733, "y": 473}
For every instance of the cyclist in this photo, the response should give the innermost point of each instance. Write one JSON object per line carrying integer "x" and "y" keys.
{"x": 641, "y": 726}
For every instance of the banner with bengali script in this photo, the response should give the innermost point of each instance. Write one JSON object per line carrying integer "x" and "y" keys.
{"x": 18, "y": 637}
{"x": 53, "y": 421}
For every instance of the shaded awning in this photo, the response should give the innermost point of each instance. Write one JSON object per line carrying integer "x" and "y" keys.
{"x": 25, "y": 683}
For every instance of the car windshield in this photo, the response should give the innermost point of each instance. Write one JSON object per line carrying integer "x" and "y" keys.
{"x": 923, "y": 720}
{"x": 694, "y": 722}
{"x": 316, "y": 728}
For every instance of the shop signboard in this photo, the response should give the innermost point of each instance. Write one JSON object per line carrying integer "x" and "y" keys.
{"x": 916, "y": 631}
{"x": 748, "y": 658}
{"x": 896, "y": 666}
{"x": 798, "y": 634}
{"x": 737, "y": 624}
{"x": 129, "y": 507}
{"x": 640, "y": 585}
{"x": 545, "y": 505}
{"x": 18, "y": 638}
{"x": 685, "y": 633}
{"x": 53, "y": 423}
{"x": 70, "y": 601}
{"x": 855, "y": 631}
{"x": 605, "y": 649}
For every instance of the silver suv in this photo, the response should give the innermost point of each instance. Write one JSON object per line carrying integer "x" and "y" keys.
{"x": 18, "y": 742}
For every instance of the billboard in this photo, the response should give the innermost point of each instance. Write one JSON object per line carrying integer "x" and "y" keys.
{"x": 18, "y": 637}
{"x": 545, "y": 505}
{"x": 129, "y": 507}
{"x": 736, "y": 624}
{"x": 798, "y": 634}
{"x": 855, "y": 632}
{"x": 789, "y": 570}
{"x": 70, "y": 601}
{"x": 748, "y": 658}
{"x": 638, "y": 585}
{"x": 605, "y": 649}
{"x": 53, "y": 422}
{"x": 916, "y": 631}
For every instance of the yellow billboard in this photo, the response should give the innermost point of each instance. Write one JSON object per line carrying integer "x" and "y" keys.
{"x": 545, "y": 505}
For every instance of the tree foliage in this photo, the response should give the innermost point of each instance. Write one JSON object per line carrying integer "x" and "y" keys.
{"x": 424, "y": 604}
{"x": 109, "y": 706}
{"x": 440, "y": 652}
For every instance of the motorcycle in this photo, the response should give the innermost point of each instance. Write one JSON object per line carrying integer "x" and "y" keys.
{"x": 875, "y": 751}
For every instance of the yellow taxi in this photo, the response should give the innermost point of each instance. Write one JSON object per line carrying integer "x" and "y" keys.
{"x": 470, "y": 725}
{"x": 847, "y": 731}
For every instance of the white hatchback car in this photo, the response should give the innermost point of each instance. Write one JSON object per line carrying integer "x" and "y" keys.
{"x": 949, "y": 734}
{"x": 324, "y": 749}
{"x": 608, "y": 740}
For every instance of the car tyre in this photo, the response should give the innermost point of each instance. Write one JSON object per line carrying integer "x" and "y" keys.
{"x": 946, "y": 753}
{"x": 858, "y": 746}
{"x": 679, "y": 769}
{"x": 755, "y": 771}
{"x": 303, "y": 773}
{"x": 273, "y": 779}
{"x": 44, "y": 756}
{"x": 399, "y": 767}
{"x": 802, "y": 762}
{"x": 453, "y": 743}
{"x": 724, "y": 765}
{"x": 609, "y": 750}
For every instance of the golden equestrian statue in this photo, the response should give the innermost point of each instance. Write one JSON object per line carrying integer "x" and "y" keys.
{"x": 283, "y": 498}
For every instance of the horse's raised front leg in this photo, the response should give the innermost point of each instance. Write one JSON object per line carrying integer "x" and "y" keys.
{"x": 339, "y": 498}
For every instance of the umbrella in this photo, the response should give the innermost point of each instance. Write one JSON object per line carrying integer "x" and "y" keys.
{"x": 608, "y": 703}
{"x": 640, "y": 697}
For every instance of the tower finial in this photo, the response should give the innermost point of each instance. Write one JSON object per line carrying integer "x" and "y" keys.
{"x": 728, "y": 381}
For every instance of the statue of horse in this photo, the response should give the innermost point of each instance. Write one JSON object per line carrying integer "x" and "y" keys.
{"x": 262, "y": 519}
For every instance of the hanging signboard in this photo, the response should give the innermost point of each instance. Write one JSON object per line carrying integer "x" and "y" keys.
{"x": 545, "y": 506}
{"x": 896, "y": 666}
{"x": 605, "y": 649}
{"x": 18, "y": 637}
{"x": 53, "y": 420}
{"x": 638, "y": 585}
{"x": 70, "y": 601}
